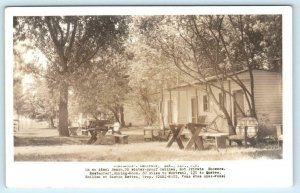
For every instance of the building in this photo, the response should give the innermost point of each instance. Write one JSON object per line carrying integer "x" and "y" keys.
{"x": 190, "y": 102}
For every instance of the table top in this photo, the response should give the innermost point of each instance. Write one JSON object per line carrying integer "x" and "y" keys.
{"x": 176, "y": 125}
{"x": 98, "y": 129}
{"x": 209, "y": 134}
{"x": 194, "y": 124}
{"x": 197, "y": 124}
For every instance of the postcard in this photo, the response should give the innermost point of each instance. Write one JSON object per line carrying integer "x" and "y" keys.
{"x": 149, "y": 96}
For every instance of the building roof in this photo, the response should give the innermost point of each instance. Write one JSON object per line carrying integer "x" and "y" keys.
{"x": 213, "y": 78}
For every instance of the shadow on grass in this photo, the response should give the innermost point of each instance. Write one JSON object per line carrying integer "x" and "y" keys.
{"x": 48, "y": 141}
{"x": 56, "y": 158}
{"x": 144, "y": 155}
{"x": 51, "y": 141}
{"x": 268, "y": 153}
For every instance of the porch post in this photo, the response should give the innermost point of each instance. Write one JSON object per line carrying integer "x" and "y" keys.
{"x": 197, "y": 111}
{"x": 187, "y": 104}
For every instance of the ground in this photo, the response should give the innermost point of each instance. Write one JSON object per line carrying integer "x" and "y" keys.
{"x": 44, "y": 144}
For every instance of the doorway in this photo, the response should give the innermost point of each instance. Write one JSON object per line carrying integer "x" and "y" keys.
{"x": 238, "y": 96}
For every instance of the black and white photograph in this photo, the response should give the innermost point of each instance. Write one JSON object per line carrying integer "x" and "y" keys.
{"x": 155, "y": 88}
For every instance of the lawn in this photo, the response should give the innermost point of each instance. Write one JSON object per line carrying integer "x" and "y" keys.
{"x": 42, "y": 144}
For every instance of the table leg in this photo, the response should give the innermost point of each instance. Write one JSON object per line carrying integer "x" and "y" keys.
{"x": 176, "y": 136}
{"x": 179, "y": 141}
{"x": 199, "y": 143}
{"x": 173, "y": 138}
{"x": 195, "y": 140}
{"x": 100, "y": 136}
{"x": 93, "y": 137}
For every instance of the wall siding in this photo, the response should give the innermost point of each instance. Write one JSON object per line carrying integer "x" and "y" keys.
{"x": 268, "y": 96}
{"x": 268, "y": 100}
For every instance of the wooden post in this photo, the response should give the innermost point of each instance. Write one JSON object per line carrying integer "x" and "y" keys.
{"x": 187, "y": 101}
{"x": 245, "y": 133}
{"x": 162, "y": 108}
{"x": 197, "y": 112}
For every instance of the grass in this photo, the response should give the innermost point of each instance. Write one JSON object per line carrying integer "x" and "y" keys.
{"x": 44, "y": 145}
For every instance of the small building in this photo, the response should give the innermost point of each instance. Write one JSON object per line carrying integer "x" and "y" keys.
{"x": 190, "y": 102}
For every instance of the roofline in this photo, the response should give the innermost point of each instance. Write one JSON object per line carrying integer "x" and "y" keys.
{"x": 213, "y": 78}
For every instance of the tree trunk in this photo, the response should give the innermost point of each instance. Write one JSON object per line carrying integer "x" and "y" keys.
{"x": 223, "y": 109}
{"x": 122, "y": 116}
{"x": 116, "y": 115}
{"x": 253, "y": 109}
{"x": 63, "y": 111}
{"x": 162, "y": 108}
{"x": 51, "y": 121}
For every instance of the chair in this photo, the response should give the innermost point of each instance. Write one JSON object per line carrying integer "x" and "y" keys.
{"x": 246, "y": 131}
{"x": 152, "y": 133}
{"x": 279, "y": 133}
{"x": 164, "y": 134}
{"x": 116, "y": 128}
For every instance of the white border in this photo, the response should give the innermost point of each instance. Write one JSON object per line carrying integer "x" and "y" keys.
{"x": 254, "y": 173}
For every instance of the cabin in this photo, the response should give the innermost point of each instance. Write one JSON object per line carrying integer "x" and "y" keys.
{"x": 191, "y": 103}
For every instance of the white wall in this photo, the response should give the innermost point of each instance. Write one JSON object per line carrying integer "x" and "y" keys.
{"x": 268, "y": 98}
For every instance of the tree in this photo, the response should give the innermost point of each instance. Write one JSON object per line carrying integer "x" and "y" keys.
{"x": 150, "y": 73}
{"x": 41, "y": 102}
{"x": 17, "y": 86}
{"x": 104, "y": 87}
{"x": 69, "y": 43}
{"x": 218, "y": 46}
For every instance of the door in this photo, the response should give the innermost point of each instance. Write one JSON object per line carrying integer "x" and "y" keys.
{"x": 238, "y": 96}
{"x": 194, "y": 109}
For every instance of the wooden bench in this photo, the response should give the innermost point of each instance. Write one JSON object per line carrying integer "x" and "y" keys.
{"x": 149, "y": 133}
{"x": 164, "y": 135}
{"x": 246, "y": 131}
{"x": 219, "y": 138}
{"x": 120, "y": 138}
{"x": 84, "y": 132}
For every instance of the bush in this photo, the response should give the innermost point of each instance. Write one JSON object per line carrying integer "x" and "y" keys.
{"x": 265, "y": 129}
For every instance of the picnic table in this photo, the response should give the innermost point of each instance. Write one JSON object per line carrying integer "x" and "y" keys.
{"x": 176, "y": 130}
{"x": 105, "y": 133}
{"x": 97, "y": 134}
{"x": 196, "y": 136}
{"x": 195, "y": 139}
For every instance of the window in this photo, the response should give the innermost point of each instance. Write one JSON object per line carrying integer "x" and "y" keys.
{"x": 205, "y": 103}
{"x": 222, "y": 100}
{"x": 194, "y": 104}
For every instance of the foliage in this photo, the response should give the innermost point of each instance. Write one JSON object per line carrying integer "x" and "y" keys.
{"x": 109, "y": 60}
{"x": 69, "y": 44}
{"x": 219, "y": 46}
{"x": 150, "y": 73}
{"x": 103, "y": 88}
{"x": 41, "y": 102}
